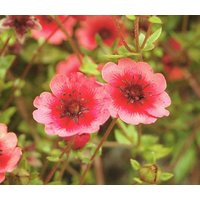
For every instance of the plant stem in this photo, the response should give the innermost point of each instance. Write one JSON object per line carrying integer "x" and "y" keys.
{"x": 139, "y": 135}
{"x": 185, "y": 23}
{"x": 192, "y": 82}
{"x": 105, "y": 136}
{"x": 5, "y": 46}
{"x": 99, "y": 171}
{"x": 136, "y": 33}
{"x": 117, "y": 23}
{"x": 71, "y": 41}
{"x": 148, "y": 33}
{"x": 53, "y": 170}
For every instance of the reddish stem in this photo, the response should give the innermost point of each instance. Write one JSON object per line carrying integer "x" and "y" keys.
{"x": 105, "y": 136}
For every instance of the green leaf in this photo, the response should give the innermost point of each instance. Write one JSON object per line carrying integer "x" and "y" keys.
{"x": 155, "y": 36}
{"x": 155, "y": 20}
{"x": 127, "y": 134}
{"x": 184, "y": 165}
{"x": 147, "y": 140}
{"x": 131, "y": 17}
{"x": 160, "y": 151}
{"x": 89, "y": 67}
{"x": 141, "y": 38}
{"x": 5, "y": 64}
{"x": 6, "y": 115}
{"x": 165, "y": 176}
{"x": 53, "y": 158}
{"x": 137, "y": 180}
{"x": 152, "y": 39}
{"x": 135, "y": 164}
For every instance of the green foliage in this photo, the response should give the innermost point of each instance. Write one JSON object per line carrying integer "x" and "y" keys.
{"x": 5, "y": 117}
{"x": 131, "y": 17}
{"x": 89, "y": 67}
{"x": 56, "y": 54}
{"x": 165, "y": 176}
{"x": 5, "y": 63}
{"x": 150, "y": 44}
{"x": 127, "y": 135}
{"x": 155, "y": 20}
{"x": 135, "y": 164}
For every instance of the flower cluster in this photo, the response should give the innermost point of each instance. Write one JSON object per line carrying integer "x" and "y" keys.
{"x": 80, "y": 105}
{"x": 9, "y": 153}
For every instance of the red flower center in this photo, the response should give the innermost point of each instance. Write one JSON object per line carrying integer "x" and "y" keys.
{"x": 105, "y": 33}
{"x": 72, "y": 109}
{"x": 133, "y": 93}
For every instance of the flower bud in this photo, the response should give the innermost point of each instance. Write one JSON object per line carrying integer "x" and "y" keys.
{"x": 149, "y": 173}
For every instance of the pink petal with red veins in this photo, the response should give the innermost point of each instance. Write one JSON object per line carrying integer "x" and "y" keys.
{"x": 15, "y": 157}
{"x": 145, "y": 67}
{"x": 2, "y": 177}
{"x": 8, "y": 142}
{"x": 44, "y": 101}
{"x": 42, "y": 117}
{"x": 136, "y": 118}
{"x": 157, "y": 109}
{"x": 58, "y": 84}
{"x": 126, "y": 63}
{"x": 110, "y": 72}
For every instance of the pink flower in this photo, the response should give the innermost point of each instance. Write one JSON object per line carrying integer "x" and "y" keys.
{"x": 76, "y": 105}
{"x": 93, "y": 25}
{"x": 48, "y": 26}
{"x": 137, "y": 94}
{"x": 9, "y": 153}
{"x": 79, "y": 141}
{"x": 71, "y": 64}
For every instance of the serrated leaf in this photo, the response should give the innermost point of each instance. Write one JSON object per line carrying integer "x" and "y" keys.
{"x": 165, "y": 176}
{"x": 155, "y": 20}
{"x": 135, "y": 164}
{"x": 151, "y": 40}
{"x": 5, "y": 64}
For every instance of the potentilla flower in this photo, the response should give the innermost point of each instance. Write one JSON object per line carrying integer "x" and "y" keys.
{"x": 49, "y": 25}
{"x": 71, "y": 64}
{"x": 104, "y": 26}
{"x": 9, "y": 153}
{"x": 137, "y": 95}
{"x": 76, "y": 105}
{"x": 21, "y": 24}
{"x": 79, "y": 141}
